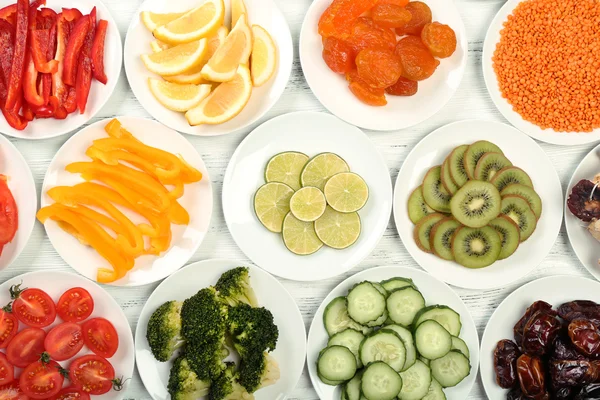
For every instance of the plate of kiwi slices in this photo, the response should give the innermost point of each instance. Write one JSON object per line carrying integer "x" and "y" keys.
{"x": 478, "y": 204}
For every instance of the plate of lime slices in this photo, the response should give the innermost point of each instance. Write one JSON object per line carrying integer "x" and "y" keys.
{"x": 307, "y": 196}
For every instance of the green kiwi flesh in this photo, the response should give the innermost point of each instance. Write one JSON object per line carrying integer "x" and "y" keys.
{"x": 475, "y": 152}
{"x": 434, "y": 194}
{"x": 528, "y": 194}
{"x": 489, "y": 164}
{"x": 475, "y": 204}
{"x": 476, "y": 247}
{"x": 417, "y": 208}
{"x": 441, "y": 238}
{"x": 457, "y": 166}
{"x": 510, "y": 235}
{"x": 423, "y": 230}
{"x": 510, "y": 176}
{"x": 518, "y": 209}
{"x": 447, "y": 181}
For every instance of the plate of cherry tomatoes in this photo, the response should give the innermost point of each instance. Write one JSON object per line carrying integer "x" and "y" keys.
{"x": 383, "y": 64}
{"x": 62, "y": 336}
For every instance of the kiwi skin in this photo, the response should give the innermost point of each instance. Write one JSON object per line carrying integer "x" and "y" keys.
{"x": 452, "y": 225}
{"x": 431, "y": 220}
{"x": 446, "y": 178}
{"x": 503, "y": 223}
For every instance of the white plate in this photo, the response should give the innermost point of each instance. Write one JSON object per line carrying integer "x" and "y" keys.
{"x": 332, "y": 90}
{"x": 554, "y": 290}
{"x": 549, "y": 135}
{"x": 291, "y": 346}
{"x": 197, "y": 200}
{"x": 22, "y": 187}
{"x": 261, "y": 12}
{"x": 55, "y": 283}
{"x": 434, "y": 292}
{"x": 525, "y": 154}
{"x": 310, "y": 133}
{"x": 99, "y": 93}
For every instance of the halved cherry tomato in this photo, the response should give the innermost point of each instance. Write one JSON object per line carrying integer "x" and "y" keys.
{"x": 92, "y": 374}
{"x": 7, "y": 371}
{"x": 41, "y": 379}
{"x": 26, "y": 347}
{"x": 75, "y": 305}
{"x": 9, "y": 325}
{"x": 12, "y": 391}
{"x": 71, "y": 393}
{"x": 64, "y": 341}
{"x": 100, "y": 336}
{"x": 9, "y": 215}
{"x": 33, "y": 307}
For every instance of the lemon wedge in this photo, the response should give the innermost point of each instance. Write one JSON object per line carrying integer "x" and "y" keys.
{"x": 178, "y": 97}
{"x": 264, "y": 56}
{"x": 153, "y": 20}
{"x": 238, "y": 8}
{"x": 198, "y": 23}
{"x": 176, "y": 60}
{"x": 157, "y": 45}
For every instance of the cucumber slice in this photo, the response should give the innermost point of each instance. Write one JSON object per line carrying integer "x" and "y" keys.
{"x": 336, "y": 364}
{"x": 415, "y": 382}
{"x": 380, "y": 382}
{"x": 384, "y": 345}
{"x": 336, "y": 319}
{"x": 424, "y": 360}
{"x": 409, "y": 344}
{"x": 397, "y": 283}
{"x": 435, "y": 392}
{"x": 451, "y": 369}
{"x": 349, "y": 338}
{"x": 379, "y": 321}
{"x": 353, "y": 387}
{"x": 328, "y": 382}
{"x": 432, "y": 340}
{"x": 460, "y": 345}
{"x": 380, "y": 287}
{"x": 365, "y": 303}
{"x": 403, "y": 304}
{"x": 444, "y": 315}
{"x": 343, "y": 393}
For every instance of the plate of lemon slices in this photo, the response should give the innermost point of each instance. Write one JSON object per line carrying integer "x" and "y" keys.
{"x": 208, "y": 67}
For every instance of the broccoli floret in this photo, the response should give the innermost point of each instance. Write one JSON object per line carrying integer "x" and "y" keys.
{"x": 225, "y": 387}
{"x": 258, "y": 371}
{"x": 164, "y": 330}
{"x": 206, "y": 359}
{"x": 252, "y": 330}
{"x": 184, "y": 384}
{"x": 234, "y": 287}
{"x": 203, "y": 318}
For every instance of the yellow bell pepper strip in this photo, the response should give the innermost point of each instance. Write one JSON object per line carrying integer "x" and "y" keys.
{"x": 177, "y": 214}
{"x": 189, "y": 174}
{"x": 113, "y": 128}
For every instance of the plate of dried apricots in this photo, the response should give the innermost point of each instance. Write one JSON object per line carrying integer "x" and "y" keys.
{"x": 383, "y": 64}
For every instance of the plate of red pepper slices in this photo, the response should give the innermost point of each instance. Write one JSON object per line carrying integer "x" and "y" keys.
{"x": 59, "y": 64}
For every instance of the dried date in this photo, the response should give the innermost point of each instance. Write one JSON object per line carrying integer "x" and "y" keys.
{"x": 585, "y": 337}
{"x": 539, "y": 333}
{"x": 531, "y": 376}
{"x": 589, "y": 392}
{"x": 563, "y": 349}
{"x": 564, "y": 373}
{"x": 520, "y": 325}
{"x": 580, "y": 309}
{"x": 515, "y": 394}
{"x": 505, "y": 363}
{"x": 584, "y": 201}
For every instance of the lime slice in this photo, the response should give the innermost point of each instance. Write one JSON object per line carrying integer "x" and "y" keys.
{"x": 286, "y": 168}
{"x": 271, "y": 204}
{"x": 322, "y": 167}
{"x": 346, "y": 192}
{"x": 338, "y": 230}
{"x": 308, "y": 204}
{"x": 300, "y": 237}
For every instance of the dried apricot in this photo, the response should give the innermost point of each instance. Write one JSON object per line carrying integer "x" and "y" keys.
{"x": 364, "y": 92}
{"x": 417, "y": 62}
{"x": 390, "y": 15}
{"x": 326, "y": 26}
{"x": 378, "y": 68}
{"x": 421, "y": 15}
{"x": 338, "y": 55}
{"x": 403, "y": 87}
{"x": 339, "y": 18}
{"x": 401, "y": 3}
{"x": 440, "y": 39}
{"x": 367, "y": 34}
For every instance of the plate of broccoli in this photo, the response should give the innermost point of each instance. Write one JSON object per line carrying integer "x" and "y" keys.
{"x": 220, "y": 331}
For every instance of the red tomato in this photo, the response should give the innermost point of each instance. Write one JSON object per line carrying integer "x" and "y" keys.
{"x": 9, "y": 215}
{"x": 9, "y": 325}
{"x": 75, "y": 305}
{"x": 71, "y": 393}
{"x": 7, "y": 371}
{"x": 92, "y": 374}
{"x": 12, "y": 391}
{"x": 64, "y": 341}
{"x": 41, "y": 380}
{"x": 33, "y": 307}
{"x": 26, "y": 347}
{"x": 100, "y": 336}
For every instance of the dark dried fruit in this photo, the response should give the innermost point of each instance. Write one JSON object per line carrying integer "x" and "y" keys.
{"x": 584, "y": 201}
{"x": 520, "y": 325}
{"x": 585, "y": 337}
{"x": 589, "y": 392}
{"x": 573, "y": 372}
{"x": 580, "y": 309}
{"x": 531, "y": 376}
{"x": 516, "y": 394}
{"x": 564, "y": 393}
{"x": 505, "y": 363}
{"x": 539, "y": 333}
{"x": 564, "y": 350}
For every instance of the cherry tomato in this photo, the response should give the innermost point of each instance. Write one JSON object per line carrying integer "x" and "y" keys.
{"x": 41, "y": 380}
{"x": 9, "y": 215}
{"x": 7, "y": 371}
{"x": 33, "y": 307}
{"x": 12, "y": 391}
{"x": 64, "y": 341}
{"x": 100, "y": 336}
{"x": 26, "y": 347}
{"x": 9, "y": 325}
{"x": 71, "y": 393}
{"x": 75, "y": 305}
{"x": 92, "y": 374}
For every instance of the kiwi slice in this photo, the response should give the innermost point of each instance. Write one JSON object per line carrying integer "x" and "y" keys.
{"x": 423, "y": 230}
{"x": 475, "y": 204}
{"x": 447, "y": 181}
{"x": 476, "y": 247}
{"x": 518, "y": 209}
{"x": 534, "y": 200}
{"x": 510, "y": 176}
{"x": 510, "y": 235}
{"x": 489, "y": 164}
{"x": 475, "y": 152}
{"x": 440, "y": 238}
{"x": 457, "y": 166}
{"x": 417, "y": 208}
{"x": 434, "y": 193}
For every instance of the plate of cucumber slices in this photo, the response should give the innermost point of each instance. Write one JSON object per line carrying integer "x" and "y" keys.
{"x": 478, "y": 204}
{"x": 393, "y": 332}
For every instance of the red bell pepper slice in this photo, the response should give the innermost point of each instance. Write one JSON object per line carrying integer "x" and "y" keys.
{"x": 12, "y": 115}
{"x": 45, "y": 18}
{"x": 98, "y": 52}
{"x": 6, "y": 51}
{"x": 71, "y": 102}
{"x": 18, "y": 63}
{"x": 8, "y": 13}
{"x": 84, "y": 68}
{"x": 46, "y": 79}
{"x": 71, "y": 14}
{"x": 30, "y": 90}
{"x": 39, "y": 48}
{"x": 76, "y": 39}
{"x": 27, "y": 112}
{"x": 59, "y": 89}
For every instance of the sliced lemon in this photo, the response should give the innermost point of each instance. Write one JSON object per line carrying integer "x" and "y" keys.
{"x": 346, "y": 192}
{"x": 286, "y": 168}
{"x": 198, "y": 23}
{"x": 308, "y": 204}
{"x": 158, "y": 46}
{"x": 234, "y": 51}
{"x": 153, "y": 20}
{"x": 322, "y": 167}
{"x": 225, "y": 102}
{"x": 263, "y": 61}
{"x": 338, "y": 230}
{"x": 177, "y": 59}
{"x": 272, "y": 204}
{"x": 178, "y": 97}
{"x": 238, "y": 8}
{"x": 300, "y": 237}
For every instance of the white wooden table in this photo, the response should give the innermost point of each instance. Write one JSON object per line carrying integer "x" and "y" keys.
{"x": 471, "y": 101}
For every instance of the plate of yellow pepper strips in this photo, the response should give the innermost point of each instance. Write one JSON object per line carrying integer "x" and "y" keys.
{"x": 124, "y": 207}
